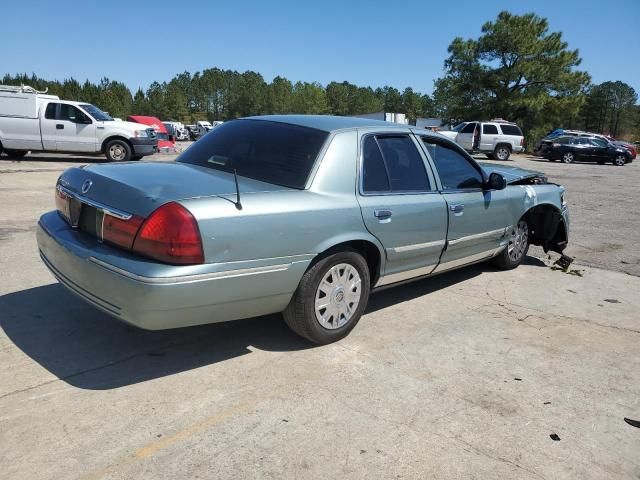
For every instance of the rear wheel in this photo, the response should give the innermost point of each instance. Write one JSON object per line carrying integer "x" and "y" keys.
{"x": 118, "y": 151}
{"x": 619, "y": 160}
{"x": 568, "y": 157}
{"x": 330, "y": 298}
{"x": 502, "y": 152}
{"x": 516, "y": 249}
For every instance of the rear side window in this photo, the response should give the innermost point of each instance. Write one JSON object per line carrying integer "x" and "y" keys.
{"x": 272, "y": 152}
{"x": 455, "y": 171}
{"x": 511, "y": 130}
{"x": 50, "y": 112}
{"x": 392, "y": 163}
{"x": 488, "y": 129}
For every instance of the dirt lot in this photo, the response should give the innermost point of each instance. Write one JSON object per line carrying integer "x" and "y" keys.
{"x": 466, "y": 375}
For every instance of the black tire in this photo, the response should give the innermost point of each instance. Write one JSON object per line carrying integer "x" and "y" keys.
{"x": 118, "y": 151}
{"x": 507, "y": 261}
{"x": 619, "y": 160}
{"x": 568, "y": 157}
{"x": 490, "y": 156}
{"x": 300, "y": 314}
{"x": 16, "y": 153}
{"x": 502, "y": 152}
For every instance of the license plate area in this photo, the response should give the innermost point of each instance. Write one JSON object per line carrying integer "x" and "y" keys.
{"x": 90, "y": 221}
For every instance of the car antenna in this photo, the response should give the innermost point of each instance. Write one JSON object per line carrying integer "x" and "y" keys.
{"x": 237, "y": 203}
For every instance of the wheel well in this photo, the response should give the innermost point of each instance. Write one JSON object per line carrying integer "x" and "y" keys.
{"x": 115, "y": 137}
{"x": 365, "y": 248}
{"x": 503, "y": 144}
{"x": 547, "y": 228}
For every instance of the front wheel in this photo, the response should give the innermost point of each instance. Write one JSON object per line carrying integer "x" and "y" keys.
{"x": 516, "y": 249}
{"x": 619, "y": 161}
{"x": 568, "y": 157}
{"x": 330, "y": 298}
{"x": 118, "y": 151}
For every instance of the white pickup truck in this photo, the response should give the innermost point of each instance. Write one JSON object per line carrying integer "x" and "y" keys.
{"x": 36, "y": 122}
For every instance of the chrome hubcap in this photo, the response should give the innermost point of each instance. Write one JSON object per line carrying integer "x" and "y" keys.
{"x": 567, "y": 158}
{"x": 518, "y": 241}
{"x": 338, "y": 296}
{"x": 502, "y": 153}
{"x": 117, "y": 152}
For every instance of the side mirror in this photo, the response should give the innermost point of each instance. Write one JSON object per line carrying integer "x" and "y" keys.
{"x": 496, "y": 182}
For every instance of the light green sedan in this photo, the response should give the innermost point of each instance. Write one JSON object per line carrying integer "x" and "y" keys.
{"x": 303, "y": 215}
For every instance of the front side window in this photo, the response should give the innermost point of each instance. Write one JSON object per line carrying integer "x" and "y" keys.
{"x": 50, "y": 112}
{"x": 72, "y": 114}
{"x": 96, "y": 113}
{"x": 489, "y": 129}
{"x": 469, "y": 128}
{"x": 599, "y": 143}
{"x": 455, "y": 171}
{"x": 272, "y": 152}
{"x": 392, "y": 163}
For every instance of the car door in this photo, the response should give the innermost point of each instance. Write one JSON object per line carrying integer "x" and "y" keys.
{"x": 488, "y": 137}
{"x": 478, "y": 218}
{"x": 600, "y": 149}
{"x": 48, "y": 124}
{"x": 76, "y": 131}
{"x": 465, "y": 137}
{"x": 400, "y": 205}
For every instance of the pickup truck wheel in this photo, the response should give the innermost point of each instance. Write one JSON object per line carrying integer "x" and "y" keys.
{"x": 619, "y": 160}
{"x": 568, "y": 157}
{"x": 118, "y": 151}
{"x": 516, "y": 249}
{"x": 330, "y": 298}
{"x": 502, "y": 152}
{"x": 16, "y": 153}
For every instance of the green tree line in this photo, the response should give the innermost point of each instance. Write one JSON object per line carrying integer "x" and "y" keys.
{"x": 517, "y": 70}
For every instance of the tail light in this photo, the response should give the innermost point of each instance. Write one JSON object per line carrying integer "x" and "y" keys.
{"x": 170, "y": 235}
{"x": 120, "y": 232}
{"x": 62, "y": 203}
{"x": 522, "y": 141}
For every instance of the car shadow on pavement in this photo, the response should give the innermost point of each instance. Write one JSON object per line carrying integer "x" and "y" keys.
{"x": 88, "y": 349}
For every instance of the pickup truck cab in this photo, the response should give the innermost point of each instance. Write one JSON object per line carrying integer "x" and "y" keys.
{"x": 36, "y": 122}
{"x": 496, "y": 139}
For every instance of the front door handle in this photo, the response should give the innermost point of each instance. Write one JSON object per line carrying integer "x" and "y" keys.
{"x": 59, "y": 126}
{"x": 382, "y": 213}
{"x": 457, "y": 209}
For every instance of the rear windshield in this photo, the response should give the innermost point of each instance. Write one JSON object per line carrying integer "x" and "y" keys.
{"x": 271, "y": 152}
{"x": 511, "y": 130}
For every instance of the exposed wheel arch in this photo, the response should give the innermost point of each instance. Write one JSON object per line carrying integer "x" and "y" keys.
{"x": 369, "y": 250}
{"x": 547, "y": 228}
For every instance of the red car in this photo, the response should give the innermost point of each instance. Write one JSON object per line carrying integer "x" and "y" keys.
{"x": 165, "y": 141}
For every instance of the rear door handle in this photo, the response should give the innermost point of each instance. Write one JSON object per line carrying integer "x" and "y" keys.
{"x": 382, "y": 213}
{"x": 59, "y": 126}
{"x": 457, "y": 209}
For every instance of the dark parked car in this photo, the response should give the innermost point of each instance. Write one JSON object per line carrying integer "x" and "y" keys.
{"x": 588, "y": 149}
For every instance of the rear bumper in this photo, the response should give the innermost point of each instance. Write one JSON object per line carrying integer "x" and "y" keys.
{"x": 144, "y": 146}
{"x": 157, "y": 296}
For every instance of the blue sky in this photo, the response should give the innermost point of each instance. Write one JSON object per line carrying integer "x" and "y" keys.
{"x": 372, "y": 42}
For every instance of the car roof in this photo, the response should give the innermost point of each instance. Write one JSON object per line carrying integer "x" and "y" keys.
{"x": 328, "y": 123}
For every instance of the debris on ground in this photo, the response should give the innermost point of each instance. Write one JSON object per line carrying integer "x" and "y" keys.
{"x": 547, "y": 403}
{"x": 518, "y": 379}
{"x": 554, "y": 437}
{"x": 633, "y": 423}
{"x": 573, "y": 271}
{"x": 564, "y": 261}
{"x": 612, "y": 300}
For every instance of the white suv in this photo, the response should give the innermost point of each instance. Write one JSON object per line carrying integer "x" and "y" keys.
{"x": 496, "y": 139}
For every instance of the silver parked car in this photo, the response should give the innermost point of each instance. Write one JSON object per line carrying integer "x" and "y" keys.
{"x": 304, "y": 215}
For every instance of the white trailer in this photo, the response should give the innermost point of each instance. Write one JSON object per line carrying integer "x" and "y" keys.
{"x": 400, "y": 118}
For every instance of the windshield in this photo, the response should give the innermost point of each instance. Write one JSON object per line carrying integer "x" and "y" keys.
{"x": 96, "y": 113}
{"x": 458, "y": 127}
{"x": 271, "y": 152}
